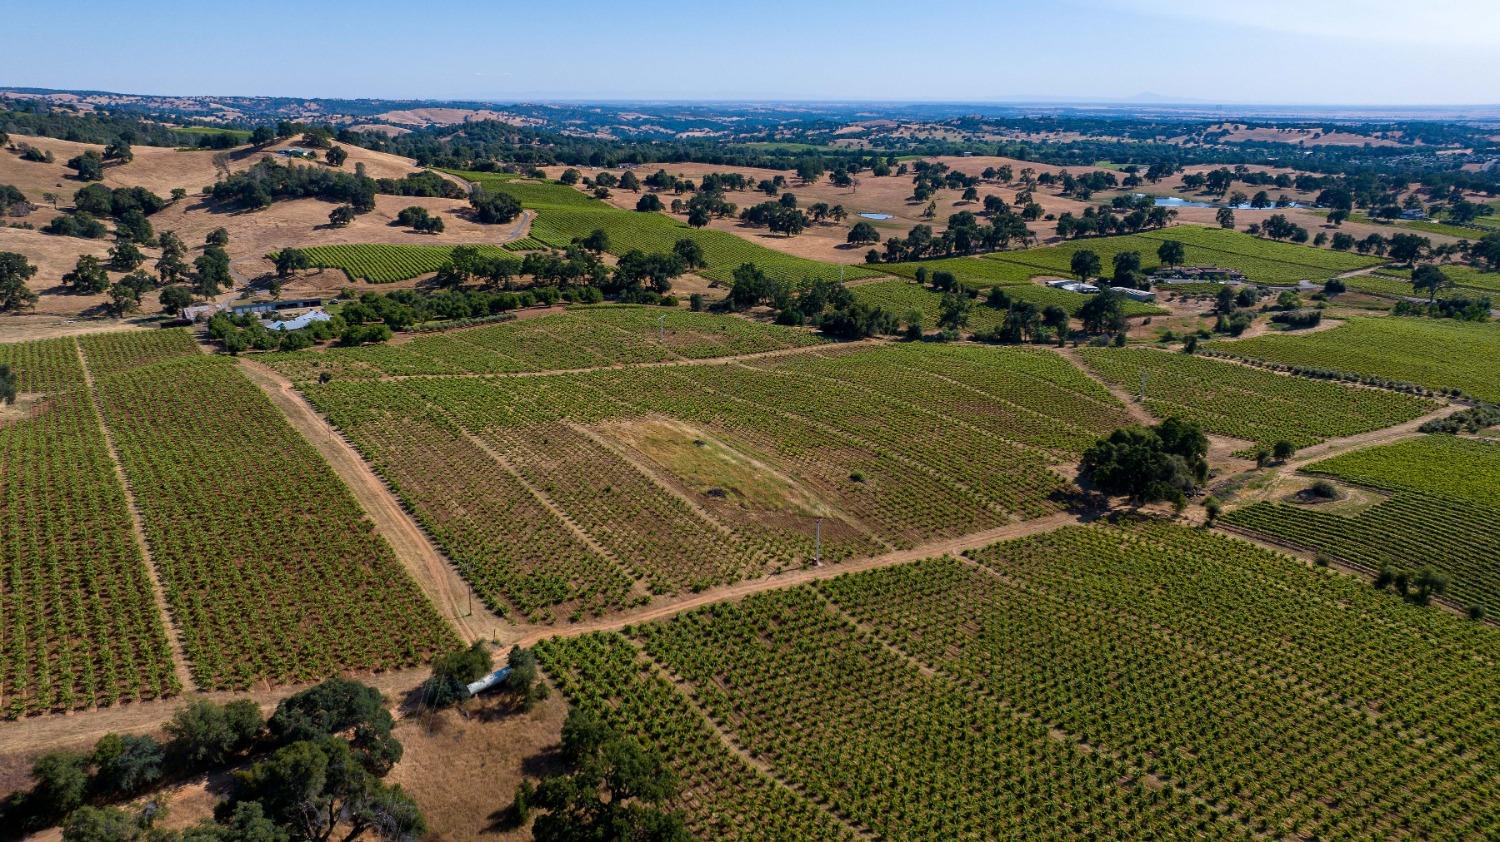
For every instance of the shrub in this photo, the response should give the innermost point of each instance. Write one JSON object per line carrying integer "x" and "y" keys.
{"x": 207, "y": 734}
{"x": 126, "y": 764}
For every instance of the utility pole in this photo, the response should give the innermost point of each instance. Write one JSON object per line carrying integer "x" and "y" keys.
{"x": 661, "y": 328}
{"x": 818, "y": 545}
{"x": 1141, "y": 398}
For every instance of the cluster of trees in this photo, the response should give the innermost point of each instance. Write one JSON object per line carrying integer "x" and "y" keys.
{"x": 614, "y": 789}
{"x": 321, "y": 757}
{"x": 402, "y": 309}
{"x": 965, "y": 234}
{"x": 1475, "y": 309}
{"x": 1080, "y": 187}
{"x": 781, "y": 217}
{"x": 1233, "y": 308}
{"x": 78, "y": 224}
{"x": 931, "y": 176}
{"x": 268, "y": 182}
{"x": 1024, "y": 321}
{"x": 97, "y": 126}
{"x": 494, "y": 208}
{"x": 88, "y": 166}
{"x": 1101, "y": 221}
{"x": 210, "y": 273}
{"x": 1278, "y": 227}
{"x": 425, "y": 183}
{"x": 13, "y": 202}
{"x": 827, "y": 305}
{"x": 244, "y": 332}
{"x": 1471, "y": 420}
{"x": 418, "y": 219}
{"x": 1166, "y": 462}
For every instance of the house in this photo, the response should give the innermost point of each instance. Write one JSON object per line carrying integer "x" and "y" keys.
{"x": 275, "y": 306}
{"x": 201, "y": 312}
{"x": 1073, "y": 286}
{"x": 299, "y": 322}
{"x": 1135, "y": 294}
{"x": 1196, "y": 274}
{"x": 1413, "y": 213}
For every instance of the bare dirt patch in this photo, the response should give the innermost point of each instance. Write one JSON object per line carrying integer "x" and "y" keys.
{"x": 462, "y": 767}
{"x": 714, "y": 469}
{"x": 27, "y": 405}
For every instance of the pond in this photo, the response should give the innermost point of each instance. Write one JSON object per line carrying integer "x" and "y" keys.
{"x": 876, "y": 215}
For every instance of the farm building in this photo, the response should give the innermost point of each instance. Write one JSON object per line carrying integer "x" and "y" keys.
{"x": 275, "y": 306}
{"x": 1072, "y": 286}
{"x": 1196, "y": 274}
{"x": 299, "y": 322}
{"x": 201, "y": 312}
{"x": 1135, "y": 294}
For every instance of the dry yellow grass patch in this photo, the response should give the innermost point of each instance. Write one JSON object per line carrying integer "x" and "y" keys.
{"x": 463, "y": 768}
{"x": 714, "y": 469}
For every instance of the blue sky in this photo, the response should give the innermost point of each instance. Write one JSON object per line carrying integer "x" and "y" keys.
{"x": 1219, "y": 51}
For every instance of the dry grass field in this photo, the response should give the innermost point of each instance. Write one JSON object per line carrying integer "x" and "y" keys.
{"x": 886, "y": 194}
{"x": 301, "y": 222}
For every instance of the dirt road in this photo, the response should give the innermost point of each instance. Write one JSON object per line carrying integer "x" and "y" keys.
{"x": 82, "y": 728}
{"x": 1136, "y": 410}
{"x": 426, "y": 564}
{"x": 528, "y": 635}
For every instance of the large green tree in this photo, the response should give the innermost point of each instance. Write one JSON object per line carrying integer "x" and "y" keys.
{"x": 1430, "y": 278}
{"x": 1171, "y": 252}
{"x": 1103, "y": 313}
{"x": 87, "y": 276}
{"x": 615, "y": 790}
{"x": 316, "y": 788}
{"x": 14, "y": 273}
{"x": 211, "y": 271}
{"x": 1085, "y": 264}
{"x": 1149, "y": 464}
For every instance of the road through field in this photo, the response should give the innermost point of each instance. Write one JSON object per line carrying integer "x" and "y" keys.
{"x": 529, "y": 635}
{"x": 422, "y": 559}
{"x": 80, "y": 729}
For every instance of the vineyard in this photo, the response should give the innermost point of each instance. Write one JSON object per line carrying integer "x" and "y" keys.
{"x": 564, "y": 214}
{"x": 80, "y": 626}
{"x": 270, "y": 569}
{"x": 1143, "y": 681}
{"x": 614, "y": 485}
{"x": 972, "y": 271}
{"x": 383, "y": 263}
{"x": 578, "y": 338}
{"x": 526, "y": 244}
{"x": 1446, "y": 466}
{"x": 722, "y": 796}
{"x": 1249, "y": 403}
{"x": 1466, "y": 279}
{"x": 1262, "y": 261}
{"x": 1435, "y": 353}
{"x": 1441, "y": 514}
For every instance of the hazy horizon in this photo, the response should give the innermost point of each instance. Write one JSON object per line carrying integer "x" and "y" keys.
{"x": 1337, "y": 53}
